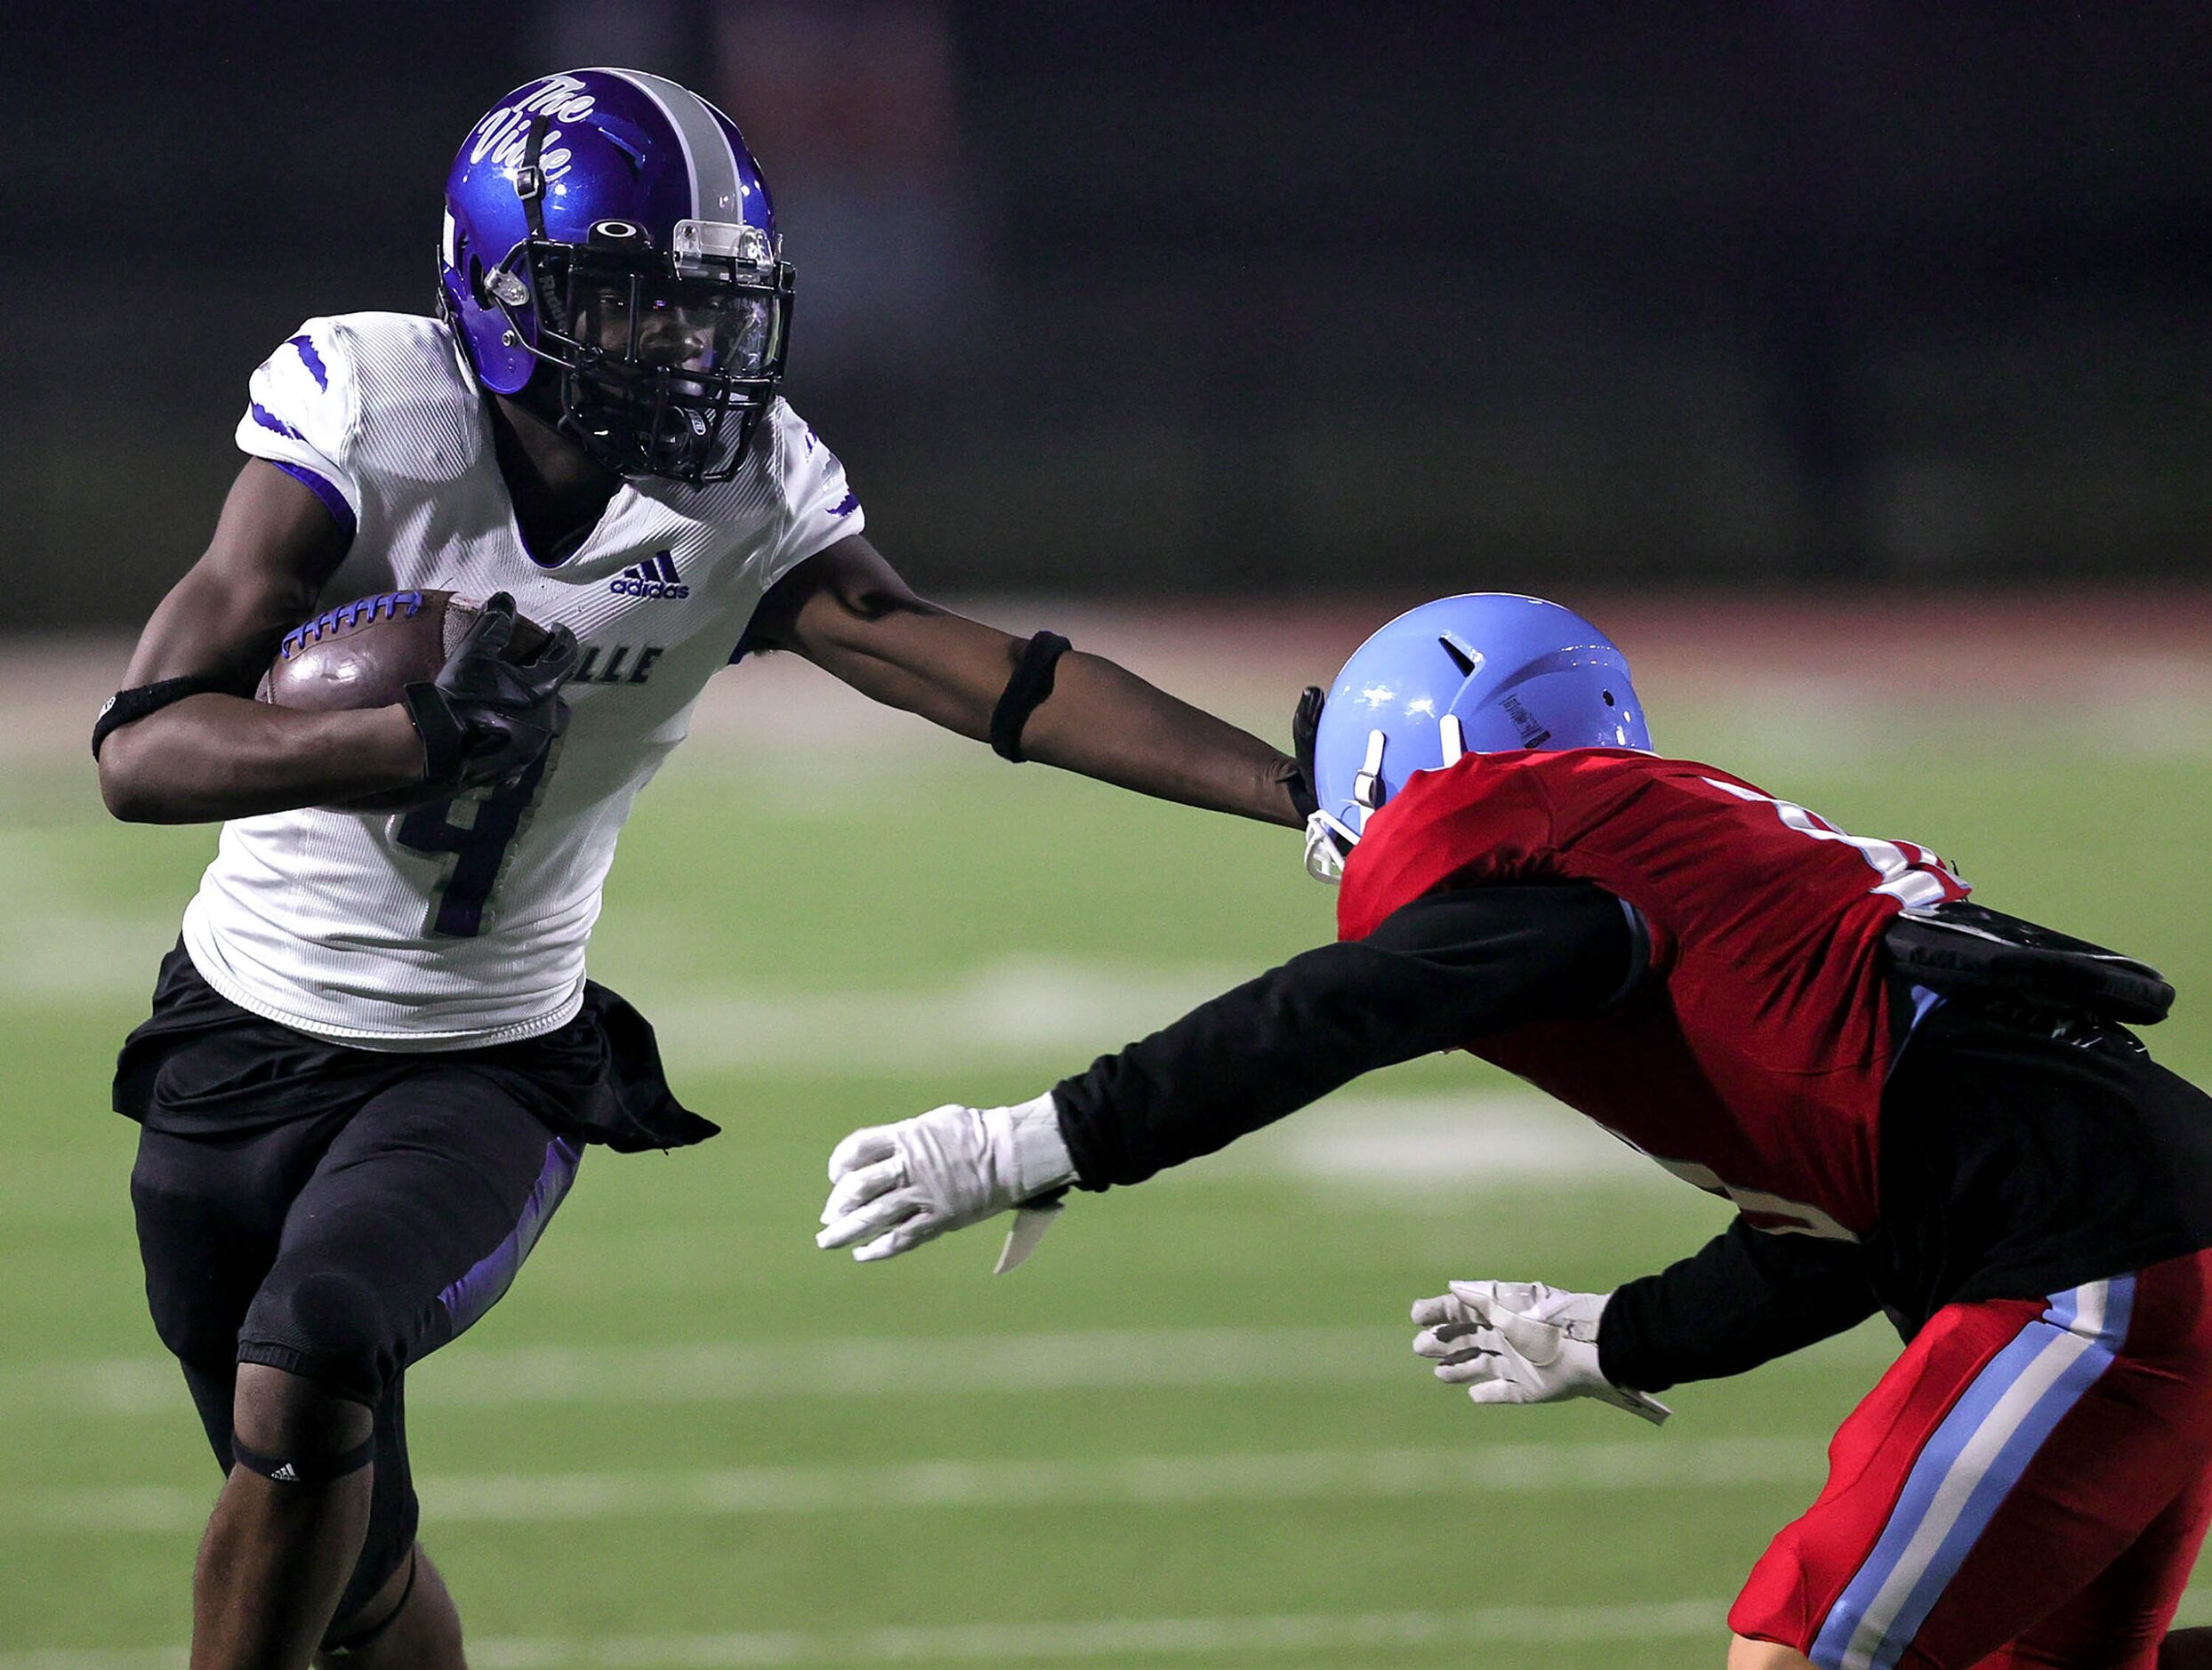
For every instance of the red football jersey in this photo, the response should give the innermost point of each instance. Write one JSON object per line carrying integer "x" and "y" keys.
{"x": 1750, "y": 1061}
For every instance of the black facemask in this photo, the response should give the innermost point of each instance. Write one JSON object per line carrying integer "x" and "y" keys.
{"x": 663, "y": 365}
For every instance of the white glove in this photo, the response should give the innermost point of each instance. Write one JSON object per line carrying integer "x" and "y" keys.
{"x": 1521, "y": 1342}
{"x": 896, "y": 1186}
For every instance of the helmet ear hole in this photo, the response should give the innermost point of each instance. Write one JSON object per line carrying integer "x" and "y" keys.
{"x": 476, "y": 281}
{"x": 1608, "y": 695}
{"x": 1464, "y": 659}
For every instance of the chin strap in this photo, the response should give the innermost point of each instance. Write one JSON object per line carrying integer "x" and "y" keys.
{"x": 530, "y": 186}
{"x": 530, "y": 175}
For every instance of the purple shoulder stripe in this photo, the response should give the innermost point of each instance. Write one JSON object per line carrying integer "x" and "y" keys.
{"x": 334, "y": 500}
{"x": 312, "y": 358}
{"x": 270, "y": 421}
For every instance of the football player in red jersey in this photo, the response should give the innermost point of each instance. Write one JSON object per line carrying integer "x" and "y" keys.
{"x": 1918, "y": 1105}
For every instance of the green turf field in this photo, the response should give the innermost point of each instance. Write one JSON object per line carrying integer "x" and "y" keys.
{"x": 1189, "y": 1433}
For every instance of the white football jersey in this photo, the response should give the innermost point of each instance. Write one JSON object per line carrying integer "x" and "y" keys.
{"x": 464, "y": 923}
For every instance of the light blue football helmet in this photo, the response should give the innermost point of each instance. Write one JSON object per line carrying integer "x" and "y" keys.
{"x": 1483, "y": 673}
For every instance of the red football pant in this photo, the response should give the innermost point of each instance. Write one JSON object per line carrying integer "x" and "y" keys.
{"x": 2027, "y": 1485}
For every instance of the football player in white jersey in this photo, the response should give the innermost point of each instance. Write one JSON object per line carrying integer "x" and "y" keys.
{"x": 375, "y": 1059}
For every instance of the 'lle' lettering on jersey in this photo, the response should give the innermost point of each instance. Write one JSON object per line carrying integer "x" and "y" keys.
{"x": 1753, "y": 1066}
{"x": 464, "y": 923}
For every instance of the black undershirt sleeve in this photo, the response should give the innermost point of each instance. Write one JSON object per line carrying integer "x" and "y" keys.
{"x": 1438, "y": 972}
{"x": 1745, "y": 1297}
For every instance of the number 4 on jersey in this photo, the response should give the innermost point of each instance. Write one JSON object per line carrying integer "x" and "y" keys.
{"x": 477, "y": 828}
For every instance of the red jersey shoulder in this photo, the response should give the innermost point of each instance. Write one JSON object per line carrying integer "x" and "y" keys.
{"x": 1488, "y": 817}
{"x": 1631, "y": 821}
{"x": 1483, "y": 818}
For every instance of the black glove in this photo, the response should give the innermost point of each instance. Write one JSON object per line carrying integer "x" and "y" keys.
{"x": 486, "y": 717}
{"x": 1304, "y": 722}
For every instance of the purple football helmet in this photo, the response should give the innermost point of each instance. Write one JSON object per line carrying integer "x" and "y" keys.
{"x": 610, "y": 257}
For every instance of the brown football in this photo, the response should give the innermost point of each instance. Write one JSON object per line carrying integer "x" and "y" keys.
{"x": 364, "y": 654}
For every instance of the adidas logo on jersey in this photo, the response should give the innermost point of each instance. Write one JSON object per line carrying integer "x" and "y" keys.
{"x": 655, "y": 577}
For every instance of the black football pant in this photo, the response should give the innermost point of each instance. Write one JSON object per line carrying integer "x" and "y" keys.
{"x": 344, "y": 1247}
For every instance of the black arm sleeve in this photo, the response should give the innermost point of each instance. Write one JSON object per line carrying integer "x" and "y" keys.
{"x": 1744, "y": 1298}
{"x": 1436, "y": 972}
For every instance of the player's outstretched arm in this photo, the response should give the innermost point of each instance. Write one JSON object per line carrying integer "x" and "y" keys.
{"x": 1745, "y": 1297}
{"x": 846, "y": 610}
{"x": 1436, "y": 972}
{"x": 218, "y": 753}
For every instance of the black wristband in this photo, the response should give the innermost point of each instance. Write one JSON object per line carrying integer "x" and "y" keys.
{"x": 1025, "y": 693}
{"x": 125, "y": 705}
{"x": 445, "y": 745}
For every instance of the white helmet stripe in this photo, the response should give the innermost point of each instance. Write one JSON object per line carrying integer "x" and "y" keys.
{"x": 717, "y": 193}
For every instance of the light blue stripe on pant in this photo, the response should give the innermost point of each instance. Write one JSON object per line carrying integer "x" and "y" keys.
{"x": 1977, "y": 1455}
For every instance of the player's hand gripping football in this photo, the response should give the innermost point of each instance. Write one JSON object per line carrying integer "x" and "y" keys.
{"x": 485, "y": 717}
{"x": 1521, "y": 1342}
{"x": 896, "y": 1186}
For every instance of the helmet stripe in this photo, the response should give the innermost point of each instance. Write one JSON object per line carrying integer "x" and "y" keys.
{"x": 716, "y": 191}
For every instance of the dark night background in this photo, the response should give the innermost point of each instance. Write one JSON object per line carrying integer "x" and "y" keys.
{"x": 1212, "y": 299}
